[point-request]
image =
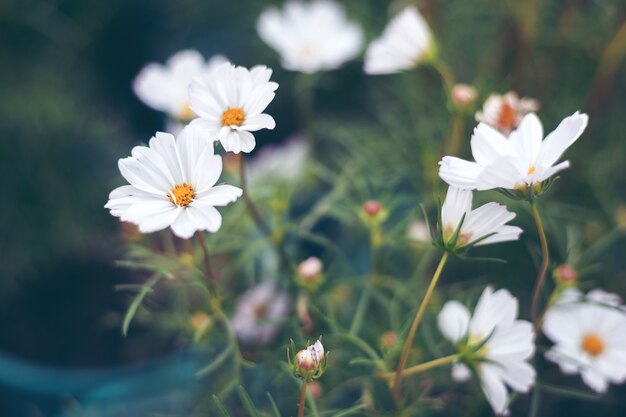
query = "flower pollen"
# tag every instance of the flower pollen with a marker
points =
(531, 170)
(186, 113)
(182, 195)
(592, 344)
(233, 116)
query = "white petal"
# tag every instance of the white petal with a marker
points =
(204, 216)
(258, 122)
(457, 203)
(527, 138)
(486, 219)
(151, 215)
(207, 171)
(184, 226)
(493, 387)
(561, 138)
(493, 309)
(504, 172)
(165, 145)
(460, 372)
(459, 173)
(453, 321)
(488, 144)
(594, 380)
(220, 195)
(504, 233)
(191, 144)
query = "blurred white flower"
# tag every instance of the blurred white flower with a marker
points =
(310, 37)
(493, 342)
(279, 162)
(259, 314)
(505, 112)
(172, 184)
(571, 296)
(590, 339)
(489, 219)
(166, 87)
(405, 42)
(517, 163)
(229, 103)
(418, 231)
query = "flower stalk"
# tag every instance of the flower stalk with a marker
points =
(208, 271)
(416, 322)
(545, 255)
(302, 399)
(422, 367)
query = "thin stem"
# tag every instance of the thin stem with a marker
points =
(208, 271)
(359, 315)
(446, 75)
(302, 398)
(418, 318)
(258, 219)
(423, 367)
(534, 309)
(456, 132)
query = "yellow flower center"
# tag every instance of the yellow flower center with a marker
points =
(182, 194)
(186, 113)
(233, 116)
(531, 170)
(592, 344)
(462, 239)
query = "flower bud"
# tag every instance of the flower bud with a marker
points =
(463, 95)
(309, 273)
(388, 339)
(565, 274)
(308, 363)
(315, 389)
(372, 208)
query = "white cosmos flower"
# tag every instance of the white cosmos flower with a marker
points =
(283, 162)
(166, 87)
(590, 339)
(505, 112)
(260, 313)
(172, 184)
(493, 342)
(489, 219)
(405, 42)
(230, 102)
(310, 37)
(516, 163)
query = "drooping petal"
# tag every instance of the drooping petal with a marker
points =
(493, 387)
(453, 321)
(459, 173)
(566, 133)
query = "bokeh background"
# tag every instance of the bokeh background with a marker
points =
(67, 113)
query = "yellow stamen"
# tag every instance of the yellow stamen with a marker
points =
(531, 170)
(186, 113)
(233, 116)
(592, 344)
(182, 194)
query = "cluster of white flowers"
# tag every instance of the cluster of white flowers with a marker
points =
(172, 183)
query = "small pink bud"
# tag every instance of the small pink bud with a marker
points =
(315, 389)
(463, 95)
(566, 273)
(310, 269)
(388, 339)
(372, 208)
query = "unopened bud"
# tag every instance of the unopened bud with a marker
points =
(566, 274)
(388, 339)
(463, 95)
(315, 389)
(309, 273)
(308, 363)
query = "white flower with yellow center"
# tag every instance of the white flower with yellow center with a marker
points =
(505, 112)
(517, 163)
(259, 314)
(172, 184)
(405, 42)
(482, 226)
(166, 87)
(310, 37)
(230, 102)
(493, 343)
(589, 336)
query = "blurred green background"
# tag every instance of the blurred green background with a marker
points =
(67, 113)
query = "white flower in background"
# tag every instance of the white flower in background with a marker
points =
(418, 231)
(489, 219)
(284, 162)
(230, 102)
(505, 112)
(493, 342)
(166, 87)
(571, 296)
(405, 42)
(172, 184)
(310, 37)
(590, 339)
(517, 163)
(259, 314)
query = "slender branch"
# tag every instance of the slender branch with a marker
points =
(456, 132)
(418, 318)
(534, 309)
(258, 219)
(302, 398)
(422, 367)
(208, 271)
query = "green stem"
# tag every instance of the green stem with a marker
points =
(456, 133)
(208, 271)
(446, 75)
(418, 318)
(423, 367)
(544, 263)
(302, 398)
(359, 315)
